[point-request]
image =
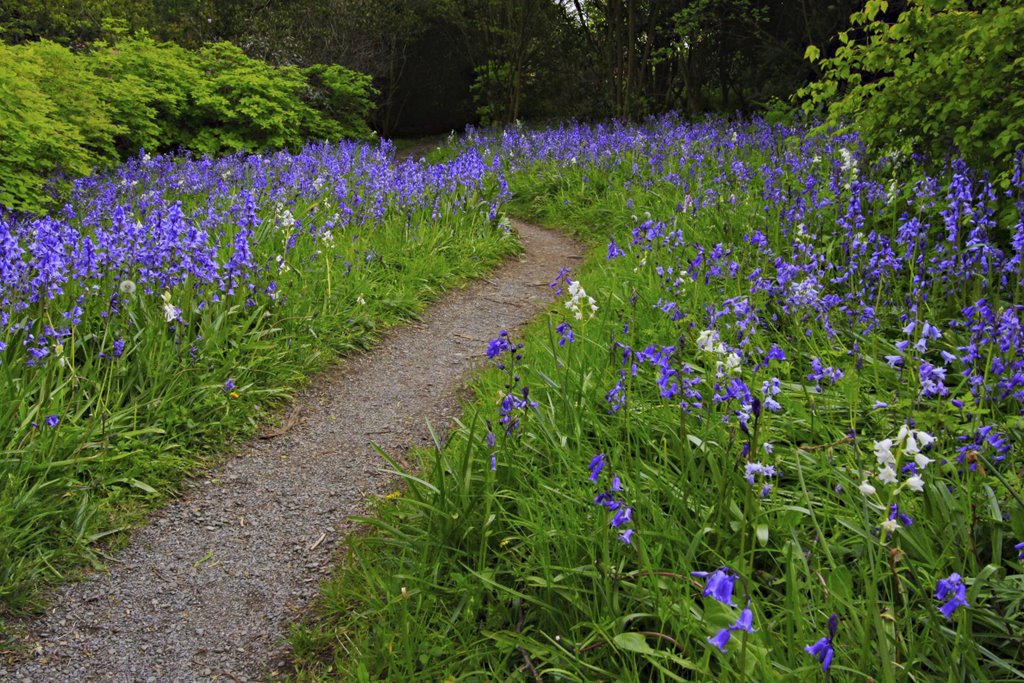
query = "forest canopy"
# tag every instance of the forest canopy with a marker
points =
(439, 64)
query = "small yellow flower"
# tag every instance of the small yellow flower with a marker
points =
(233, 394)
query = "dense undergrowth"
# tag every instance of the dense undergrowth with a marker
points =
(67, 112)
(170, 303)
(771, 431)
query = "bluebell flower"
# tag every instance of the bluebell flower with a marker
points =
(52, 421)
(895, 513)
(566, 334)
(951, 587)
(775, 353)
(498, 345)
(744, 622)
(719, 585)
(560, 280)
(819, 373)
(755, 468)
(823, 650)
(614, 251)
(616, 396)
(720, 639)
(1020, 547)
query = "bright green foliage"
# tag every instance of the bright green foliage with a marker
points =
(244, 103)
(63, 113)
(342, 95)
(78, 95)
(148, 85)
(50, 120)
(256, 104)
(944, 75)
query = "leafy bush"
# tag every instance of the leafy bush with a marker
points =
(148, 85)
(64, 112)
(39, 135)
(245, 103)
(946, 74)
(343, 95)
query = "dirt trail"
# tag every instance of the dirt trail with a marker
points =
(207, 589)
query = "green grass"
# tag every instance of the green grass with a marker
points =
(513, 573)
(131, 427)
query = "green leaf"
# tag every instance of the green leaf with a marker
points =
(131, 481)
(633, 642)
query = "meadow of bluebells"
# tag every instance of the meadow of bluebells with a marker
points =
(780, 363)
(168, 301)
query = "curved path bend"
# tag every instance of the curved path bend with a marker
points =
(205, 591)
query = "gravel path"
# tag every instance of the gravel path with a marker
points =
(206, 590)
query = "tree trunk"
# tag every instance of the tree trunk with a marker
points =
(630, 94)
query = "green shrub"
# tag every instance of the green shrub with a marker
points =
(64, 112)
(242, 103)
(148, 85)
(41, 131)
(343, 96)
(945, 75)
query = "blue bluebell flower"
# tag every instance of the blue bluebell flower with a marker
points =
(565, 334)
(622, 516)
(951, 587)
(823, 650)
(744, 622)
(720, 639)
(719, 585)
(498, 345)
(614, 251)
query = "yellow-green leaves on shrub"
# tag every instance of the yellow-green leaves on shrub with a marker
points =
(149, 85)
(64, 113)
(342, 94)
(38, 135)
(242, 103)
